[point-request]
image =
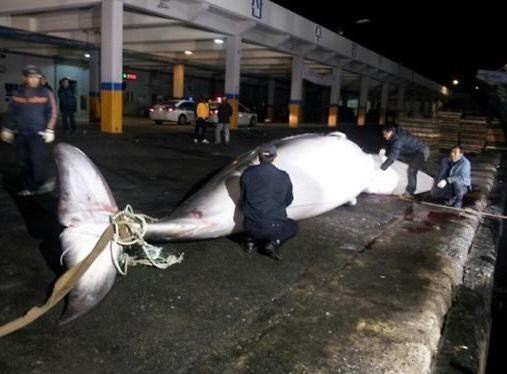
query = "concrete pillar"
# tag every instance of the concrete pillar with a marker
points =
(179, 81)
(296, 91)
(400, 102)
(384, 99)
(363, 101)
(233, 76)
(94, 84)
(333, 117)
(271, 99)
(111, 86)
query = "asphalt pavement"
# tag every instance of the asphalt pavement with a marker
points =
(361, 289)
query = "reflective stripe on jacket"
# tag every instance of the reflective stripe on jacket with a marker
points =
(32, 110)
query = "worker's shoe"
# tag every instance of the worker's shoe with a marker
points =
(46, 187)
(250, 246)
(25, 193)
(407, 196)
(272, 249)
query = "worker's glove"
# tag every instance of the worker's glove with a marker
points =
(7, 135)
(48, 135)
(382, 152)
(442, 183)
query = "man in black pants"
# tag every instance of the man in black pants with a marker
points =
(414, 150)
(266, 192)
(68, 105)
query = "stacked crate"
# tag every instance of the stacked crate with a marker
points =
(473, 134)
(424, 128)
(496, 136)
(449, 125)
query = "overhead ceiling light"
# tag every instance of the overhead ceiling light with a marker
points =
(87, 55)
(187, 52)
(218, 41)
(455, 82)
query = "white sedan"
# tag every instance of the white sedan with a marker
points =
(246, 116)
(180, 111)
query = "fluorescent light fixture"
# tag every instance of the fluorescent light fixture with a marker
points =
(87, 55)
(455, 82)
(187, 52)
(218, 41)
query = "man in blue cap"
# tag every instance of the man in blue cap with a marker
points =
(266, 192)
(31, 122)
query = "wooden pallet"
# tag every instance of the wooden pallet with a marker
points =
(473, 134)
(449, 127)
(424, 128)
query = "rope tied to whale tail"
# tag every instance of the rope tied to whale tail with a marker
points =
(126, 229)
(62, 286)
(129, 230)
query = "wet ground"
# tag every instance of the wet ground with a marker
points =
(360, 289)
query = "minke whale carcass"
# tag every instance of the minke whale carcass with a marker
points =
(327, 170)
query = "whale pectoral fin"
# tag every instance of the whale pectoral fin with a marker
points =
(85, 207)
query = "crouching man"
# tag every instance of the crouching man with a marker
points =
(453, 180)
(266, 192)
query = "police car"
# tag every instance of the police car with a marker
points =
(181, 112)
(246, 116)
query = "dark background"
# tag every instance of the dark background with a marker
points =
(439, 41)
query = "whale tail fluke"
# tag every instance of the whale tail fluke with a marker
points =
(85, 207)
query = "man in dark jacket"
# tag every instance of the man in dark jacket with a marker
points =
(32, 116)
(44, 83)
(266, 192)
(68, 105)
(402, 143)
(224, 114)
(453, 180)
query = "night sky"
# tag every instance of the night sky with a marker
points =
(439, 43)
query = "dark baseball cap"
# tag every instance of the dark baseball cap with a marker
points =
(31, 70)
(267, 150)
(388, 128)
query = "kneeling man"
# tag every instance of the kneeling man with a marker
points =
(266, 192)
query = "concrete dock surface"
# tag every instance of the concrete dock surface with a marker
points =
(386, 286)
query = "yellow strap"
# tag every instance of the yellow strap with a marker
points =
(62, 286)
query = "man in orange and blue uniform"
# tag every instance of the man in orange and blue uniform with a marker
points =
(31, 122)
